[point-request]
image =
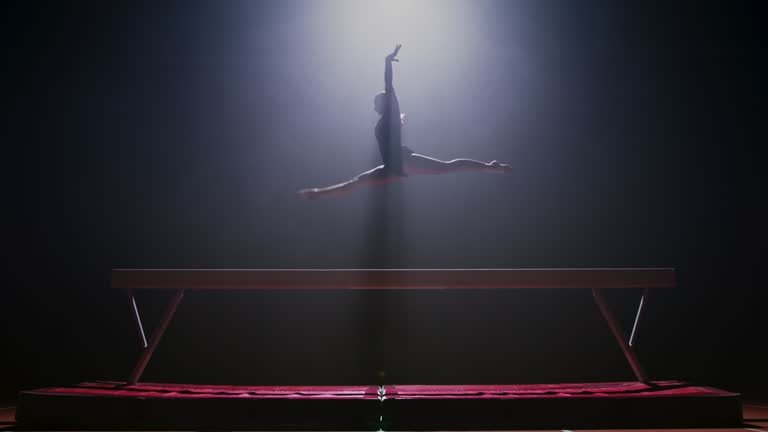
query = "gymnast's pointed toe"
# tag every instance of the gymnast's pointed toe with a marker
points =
(310, 193)
(497, 167)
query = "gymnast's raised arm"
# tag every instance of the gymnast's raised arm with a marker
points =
(389, 89)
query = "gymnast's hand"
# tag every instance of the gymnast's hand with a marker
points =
(391, 57)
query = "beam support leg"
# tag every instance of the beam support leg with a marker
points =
(615, 327)
(146, 354)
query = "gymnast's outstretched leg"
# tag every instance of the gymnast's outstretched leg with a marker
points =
(413, 164)
(416, 164)
(375, 176)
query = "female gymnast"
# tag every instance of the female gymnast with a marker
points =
(399, 160)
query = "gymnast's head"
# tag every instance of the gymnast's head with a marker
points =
(380, 102)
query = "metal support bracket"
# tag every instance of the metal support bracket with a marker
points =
(638, 316)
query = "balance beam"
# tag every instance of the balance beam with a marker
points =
(595, 279)
(397, 279)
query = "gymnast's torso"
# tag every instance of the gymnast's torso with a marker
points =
(388, 133)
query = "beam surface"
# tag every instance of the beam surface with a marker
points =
(397, 279)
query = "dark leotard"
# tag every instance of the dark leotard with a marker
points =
(388, 135)
(389, 127)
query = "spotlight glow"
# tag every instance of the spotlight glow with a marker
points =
(429, 25)
(357, 34)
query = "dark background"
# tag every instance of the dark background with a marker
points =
(173, 134)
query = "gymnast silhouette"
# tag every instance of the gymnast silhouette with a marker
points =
(398, 160)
